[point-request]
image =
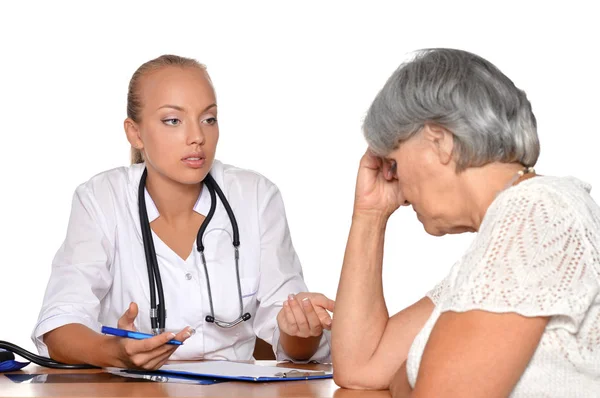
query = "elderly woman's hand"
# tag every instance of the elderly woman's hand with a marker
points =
(377, 189)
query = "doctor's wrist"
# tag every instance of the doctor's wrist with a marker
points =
(299, 348)
(107, 352)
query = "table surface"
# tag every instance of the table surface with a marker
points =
(96, 383)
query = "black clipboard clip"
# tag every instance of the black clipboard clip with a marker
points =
(296, 373)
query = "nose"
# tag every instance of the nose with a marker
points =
(196, 135)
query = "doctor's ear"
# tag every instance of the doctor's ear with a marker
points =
(133, 133)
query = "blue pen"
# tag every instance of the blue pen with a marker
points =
(133, 335)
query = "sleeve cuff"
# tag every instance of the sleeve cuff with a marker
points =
(322, 355)
(54, 321)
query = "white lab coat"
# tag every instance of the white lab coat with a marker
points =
(101, 268)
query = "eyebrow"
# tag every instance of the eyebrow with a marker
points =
(179, 108)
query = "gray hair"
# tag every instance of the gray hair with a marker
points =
(489, 117)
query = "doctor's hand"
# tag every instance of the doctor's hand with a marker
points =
(377, 188)
(305, 315)
(148, 354)
(126, 321)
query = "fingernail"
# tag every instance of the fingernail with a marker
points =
(172, 335)
(291, 297)
(306, 302)
(192, 331)
(286, 304)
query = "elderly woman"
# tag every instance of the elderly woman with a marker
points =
(519, 312)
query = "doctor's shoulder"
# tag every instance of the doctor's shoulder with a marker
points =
(245, 181)
(109, 192)
(116, 182)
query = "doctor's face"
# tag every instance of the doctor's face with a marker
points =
(178, 126)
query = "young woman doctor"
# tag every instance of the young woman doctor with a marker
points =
(100, 274)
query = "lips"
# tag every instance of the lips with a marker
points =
(194, 160)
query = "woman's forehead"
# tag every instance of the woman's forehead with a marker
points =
(176, 85)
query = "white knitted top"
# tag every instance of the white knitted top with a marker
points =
(537, 253)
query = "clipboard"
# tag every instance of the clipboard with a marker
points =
(218, 371)
(161, 377)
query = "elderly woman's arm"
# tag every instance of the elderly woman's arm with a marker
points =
(367, 345)
(477, 354)
(400, 387)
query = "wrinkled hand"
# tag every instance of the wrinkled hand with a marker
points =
(377, 188)
(148, 354)
(305, 315)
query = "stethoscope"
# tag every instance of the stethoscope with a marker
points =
(158, 312)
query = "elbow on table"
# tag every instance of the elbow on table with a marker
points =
(56, 355)
(358, 379)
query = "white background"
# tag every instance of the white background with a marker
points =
(293, 83)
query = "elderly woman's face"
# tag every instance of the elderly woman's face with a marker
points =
(428, 181)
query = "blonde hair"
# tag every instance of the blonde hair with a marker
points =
(134, 102)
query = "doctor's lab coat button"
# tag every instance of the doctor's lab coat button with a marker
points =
(188, 276)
